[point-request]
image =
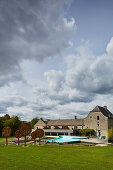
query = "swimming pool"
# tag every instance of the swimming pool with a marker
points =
(63, 139)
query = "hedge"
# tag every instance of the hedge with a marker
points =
(86, 132)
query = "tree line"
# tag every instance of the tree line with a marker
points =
(13, 122)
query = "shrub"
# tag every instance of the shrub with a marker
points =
(86, 132)
(110, 134)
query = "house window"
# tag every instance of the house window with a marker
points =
(90, 116)
(97, 123)
(97, 117)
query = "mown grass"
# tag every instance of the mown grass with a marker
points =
(54, 157)
(3, 138)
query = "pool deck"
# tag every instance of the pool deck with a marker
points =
(95, 141)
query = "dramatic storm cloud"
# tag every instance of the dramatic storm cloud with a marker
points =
(50, 65)
(31, 30)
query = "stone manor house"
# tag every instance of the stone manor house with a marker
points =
(100, 119)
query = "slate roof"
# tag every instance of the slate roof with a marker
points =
(66, 122)
(104, 111)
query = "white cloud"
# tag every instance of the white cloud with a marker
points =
(88, 73)
(109, 48)
(55, 79)
(69, 24)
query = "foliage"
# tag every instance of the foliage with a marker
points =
(6, 131)
(87, 132)
(34, 121)
(18, 134)
(1, 126)
(2, 121)
(39, 133)
(13, 122)
(110, 134)
(25, 128)
(6, 117)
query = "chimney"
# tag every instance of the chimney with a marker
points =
(75, 117)
(105, 107)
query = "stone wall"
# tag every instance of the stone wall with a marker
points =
(40, 124)
(92, 122)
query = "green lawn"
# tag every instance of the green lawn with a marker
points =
(3, 138)
(50, 157)
(10, 137)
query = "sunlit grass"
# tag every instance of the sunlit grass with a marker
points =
(3, 138)
(47, 157)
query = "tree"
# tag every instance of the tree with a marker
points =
(1, 125)
(6, 117)
(6, 131)
(110, 135)
(39, 134)
(13, 123)
(2, 120)
(33, 122)
(34, 136)
(25, 129)
(18, 135)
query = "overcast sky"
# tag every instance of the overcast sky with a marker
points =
(56, 57)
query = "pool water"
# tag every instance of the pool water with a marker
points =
(63, 139)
